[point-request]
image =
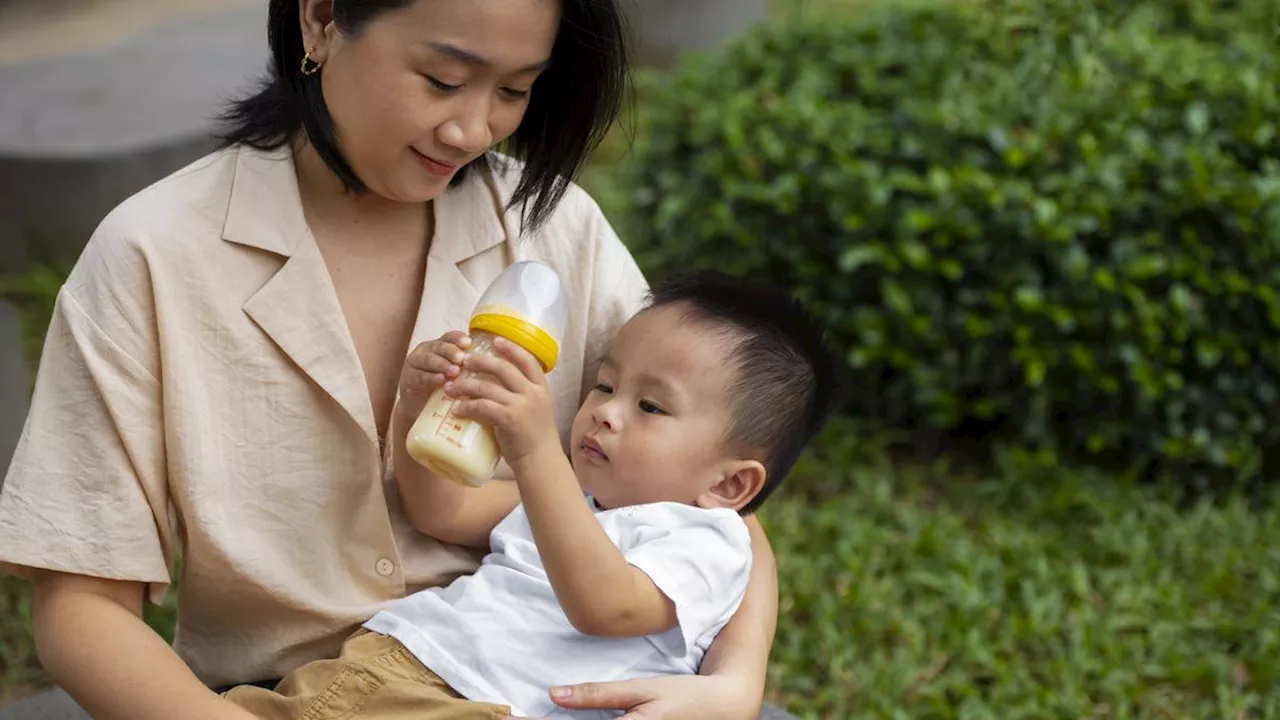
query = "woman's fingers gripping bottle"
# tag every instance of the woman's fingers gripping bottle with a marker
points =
(525, 305)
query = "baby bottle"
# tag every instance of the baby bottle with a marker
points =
(525, 305)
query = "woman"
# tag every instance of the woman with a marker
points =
(221, 371)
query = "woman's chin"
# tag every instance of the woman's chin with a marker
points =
(422, 189)
(409, 185)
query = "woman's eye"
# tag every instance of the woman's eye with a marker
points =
(604, 389)
(650, 408)
(441, 86)
(514, 94)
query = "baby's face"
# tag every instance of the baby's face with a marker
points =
(653, 428)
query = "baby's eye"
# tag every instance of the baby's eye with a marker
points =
(650, 408)
(604, 389)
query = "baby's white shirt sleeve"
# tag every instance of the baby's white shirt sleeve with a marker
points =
(700, 559)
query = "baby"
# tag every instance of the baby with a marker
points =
(621, 565)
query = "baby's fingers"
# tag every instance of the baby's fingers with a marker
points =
(437, 356)
(484, 410)
(456, 338)
(506, 374)
(478, 388)
(522, 360)
(430, 365)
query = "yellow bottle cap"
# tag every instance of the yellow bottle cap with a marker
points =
(537, 341)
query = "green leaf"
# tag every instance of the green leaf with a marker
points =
(1197, 118)
(896, 298)
(914, 253)
(859, 255)
(1147, 266)
(1028, 298)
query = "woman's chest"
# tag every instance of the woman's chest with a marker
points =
(380, 306)
(379, 292)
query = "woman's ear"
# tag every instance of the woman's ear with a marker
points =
(740, 482)
(316, 19)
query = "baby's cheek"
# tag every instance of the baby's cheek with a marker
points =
(659, 456)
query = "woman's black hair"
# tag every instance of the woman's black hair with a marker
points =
(572, 105)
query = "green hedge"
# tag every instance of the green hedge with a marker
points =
(1053, 226)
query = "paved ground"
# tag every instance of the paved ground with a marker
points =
(141, 83)
(38, 29)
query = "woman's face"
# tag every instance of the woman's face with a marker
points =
(422, 91)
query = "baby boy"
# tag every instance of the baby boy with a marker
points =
(622, 560)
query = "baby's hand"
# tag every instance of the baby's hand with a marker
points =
(427, 367)
(509, 393)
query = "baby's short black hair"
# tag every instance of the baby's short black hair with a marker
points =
(788, 379)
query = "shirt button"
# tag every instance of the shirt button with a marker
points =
(384, 567)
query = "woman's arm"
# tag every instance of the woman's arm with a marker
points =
(730, 684)
(436, 506)
(91, 638)
(442, 508)
(741, 650)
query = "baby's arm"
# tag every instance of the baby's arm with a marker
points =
(600, 592)
(438, 506)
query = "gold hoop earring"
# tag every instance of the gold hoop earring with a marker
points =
(309, 66)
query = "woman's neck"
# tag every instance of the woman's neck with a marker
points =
(326, 201)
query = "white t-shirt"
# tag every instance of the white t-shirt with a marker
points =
(500, 636)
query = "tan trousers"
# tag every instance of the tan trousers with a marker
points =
(373, 678)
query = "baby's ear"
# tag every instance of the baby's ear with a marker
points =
(740, 481)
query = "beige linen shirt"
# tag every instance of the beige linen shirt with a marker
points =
(199, 392)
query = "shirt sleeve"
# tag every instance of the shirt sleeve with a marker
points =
(700, 559)
(85, 492)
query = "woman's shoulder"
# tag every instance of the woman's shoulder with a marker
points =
(190, 200)
(176, 225)
(171, 228)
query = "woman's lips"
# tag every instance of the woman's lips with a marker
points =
(435, 167)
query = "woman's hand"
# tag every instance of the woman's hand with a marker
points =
(674, 697)
(430, 365)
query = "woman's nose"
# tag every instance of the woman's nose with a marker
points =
(468, 130)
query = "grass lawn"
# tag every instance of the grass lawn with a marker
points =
(925, 592)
